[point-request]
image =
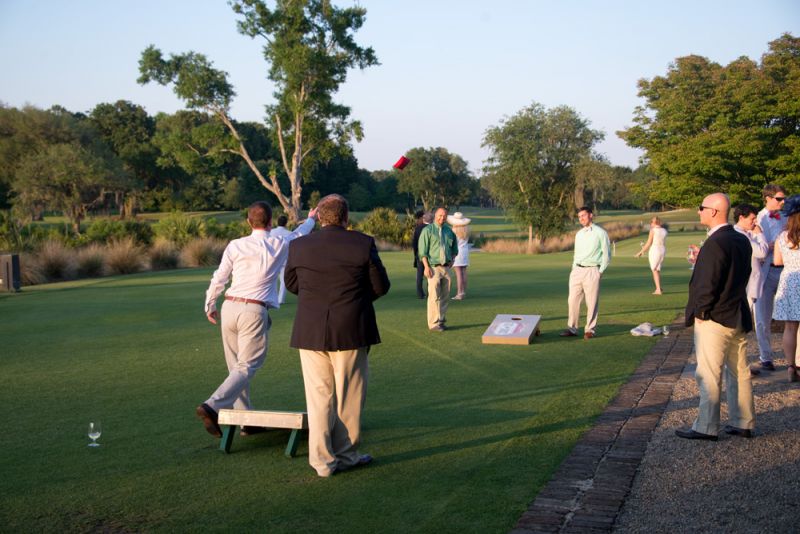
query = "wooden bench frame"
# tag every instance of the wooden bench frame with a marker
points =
(230, 419)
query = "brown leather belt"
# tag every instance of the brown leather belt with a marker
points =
(246, 301)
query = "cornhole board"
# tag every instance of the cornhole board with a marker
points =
(512, 329)
(230, 419)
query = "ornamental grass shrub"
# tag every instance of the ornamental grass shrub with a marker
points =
(125, 256)
(30, 273)
(203, 252)
(90, 261)
(55, 261)
(164, 255)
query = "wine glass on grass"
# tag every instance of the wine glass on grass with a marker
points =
(95, 430)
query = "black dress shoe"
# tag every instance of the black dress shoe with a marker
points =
(769, 366)
(568, 333)
(691, 434)
(741, 432)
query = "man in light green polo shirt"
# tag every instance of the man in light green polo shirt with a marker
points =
(437, 248)
(592, 256)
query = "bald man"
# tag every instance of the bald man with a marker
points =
(719, 311)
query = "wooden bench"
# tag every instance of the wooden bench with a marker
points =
(230, 419)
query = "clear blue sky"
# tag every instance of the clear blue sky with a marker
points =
(449, 68)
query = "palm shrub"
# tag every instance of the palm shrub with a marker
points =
(124, 256)
(227, 232)
(56, 261)
(386, 225)
(164, 254)
(104, 230)
(202, 252)
(179, 228)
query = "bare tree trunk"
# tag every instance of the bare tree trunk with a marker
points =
(530, 239)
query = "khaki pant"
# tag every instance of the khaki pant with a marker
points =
(584, 282)
(245, 337)
(438, 295)
(336, 388)
(717, 348)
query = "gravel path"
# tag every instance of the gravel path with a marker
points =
(732, 485)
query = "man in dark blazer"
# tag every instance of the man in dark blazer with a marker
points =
(719, 311)
(336, 274)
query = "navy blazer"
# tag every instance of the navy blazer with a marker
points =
(718, 288)
(336, 274)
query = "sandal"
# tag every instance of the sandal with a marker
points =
(793, 376)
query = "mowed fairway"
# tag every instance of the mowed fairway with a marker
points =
(464, 434)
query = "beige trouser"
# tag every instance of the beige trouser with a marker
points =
(438, 295)
(336, 388)
(245, 337)
(584, 282)
(719, 347)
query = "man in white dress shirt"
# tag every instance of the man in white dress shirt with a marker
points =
(281, 231)
(254, 262)
(772, 224)
(745, 217)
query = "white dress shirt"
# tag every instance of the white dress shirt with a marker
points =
(254, 262)
(760, 251)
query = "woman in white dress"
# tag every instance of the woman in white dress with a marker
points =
(460, 226)
(787, 297)
(657, 243)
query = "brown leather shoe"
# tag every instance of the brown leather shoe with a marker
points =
(568, 333)
(588, 335)
(209, 418)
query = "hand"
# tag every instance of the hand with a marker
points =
(313, 213)
(428, 272)
(757, 230)
(638, 254)
(212, 317)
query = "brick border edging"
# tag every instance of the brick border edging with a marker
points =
(587, 491)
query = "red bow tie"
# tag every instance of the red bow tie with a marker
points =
(775, 215)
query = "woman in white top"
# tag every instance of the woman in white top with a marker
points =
(656, 242)
(460, 226)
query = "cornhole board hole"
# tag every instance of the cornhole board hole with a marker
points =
(512, 329)
(230, 419)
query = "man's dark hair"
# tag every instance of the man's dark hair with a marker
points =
(259, 214)
(744, 210)
(282, 220)
(418, 214)
(771, 189)
(587, 209)
(333, 210)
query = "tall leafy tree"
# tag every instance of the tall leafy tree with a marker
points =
(128, 130)
(309, 46)
(531, 168)
(734, 128)
(66, 177)
(436, 176)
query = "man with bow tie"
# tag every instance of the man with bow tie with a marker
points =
(772, 224)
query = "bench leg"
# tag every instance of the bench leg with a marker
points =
(225, 442)
(294, 439)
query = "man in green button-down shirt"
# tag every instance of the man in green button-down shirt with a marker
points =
(592, 256)
(437, 248)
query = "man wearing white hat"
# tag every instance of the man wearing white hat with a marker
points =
(437, 248)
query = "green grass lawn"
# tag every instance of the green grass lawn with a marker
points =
(464, 434)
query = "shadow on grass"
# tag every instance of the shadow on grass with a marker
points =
(482, 441)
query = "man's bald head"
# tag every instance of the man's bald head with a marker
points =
(714, 209)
